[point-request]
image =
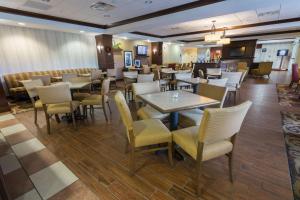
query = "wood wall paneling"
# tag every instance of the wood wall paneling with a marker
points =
(105, 55)
(157, 53)
(3, 101)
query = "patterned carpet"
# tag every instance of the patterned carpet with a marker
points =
(287, 97)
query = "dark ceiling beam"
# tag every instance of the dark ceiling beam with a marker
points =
(49, 17)
(248, 35)
(180, 8)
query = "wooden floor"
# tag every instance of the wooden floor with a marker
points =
(95, 153)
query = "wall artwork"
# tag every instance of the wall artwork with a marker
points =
(137, 63)
(128, 59)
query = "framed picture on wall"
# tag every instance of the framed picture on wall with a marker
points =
(137, 63)
(128, 62)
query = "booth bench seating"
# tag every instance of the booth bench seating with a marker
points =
(14, 86)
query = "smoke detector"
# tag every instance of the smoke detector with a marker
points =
(102, 6)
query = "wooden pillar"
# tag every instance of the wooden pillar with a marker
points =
(157, 53)
(105, 52)
(3, 101)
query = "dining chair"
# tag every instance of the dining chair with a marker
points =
(162, 82)
(147, 112)
(85, 92)
(180, 84)
(67, 77)
(30, 87)
(213, 72)
(57, 99)
(98, 100)
(111, 74)
(96, 76)
(193, 117)
(214, 137)
(201, 73)
(146, 69)
(46, 79)
(233, 83)
(218, 82)
(151, 134)
(143, 78)
(129, 78)
(295, 76)
(264, 68)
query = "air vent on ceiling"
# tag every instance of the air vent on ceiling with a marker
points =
(101, 6)
(268, 13)
(38, 4)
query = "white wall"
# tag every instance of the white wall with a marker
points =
(171, 53)
(271, 54)
(25, 49)
(203, 54)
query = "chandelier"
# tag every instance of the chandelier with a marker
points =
(223, 39)
(213, 36)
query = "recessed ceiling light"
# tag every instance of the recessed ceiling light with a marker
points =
(21, 24)
(82, 31)
(125, 38)
(148, 40)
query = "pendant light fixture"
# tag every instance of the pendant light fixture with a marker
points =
(223, 39)
(213, 36)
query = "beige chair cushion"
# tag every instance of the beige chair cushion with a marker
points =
(38, 104)
(17, 89)
(94, 100)
(148, 112)
(190, 117)
(149, 132)
(79, 96)
(187, 139)
(62, 108)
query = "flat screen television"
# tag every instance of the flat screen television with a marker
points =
(282, 52)
(141, 50)
(237, 51)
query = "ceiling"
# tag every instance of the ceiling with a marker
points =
(138, 19)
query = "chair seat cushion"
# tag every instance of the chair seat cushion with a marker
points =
(94, 100)
(148, 112)
(79, 96)
(61, 108)
(149, 132)
(17, 89)
(189, 118)
(38, 104)
(187, 139)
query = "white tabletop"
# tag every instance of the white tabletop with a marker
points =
(74, 86)
(131, 76)
(173, 101)
(193, 81)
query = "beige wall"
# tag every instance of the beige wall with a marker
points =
(171, 53)
(128, 45)
(189, 54)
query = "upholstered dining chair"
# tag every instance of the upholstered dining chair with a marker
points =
(213, 72)
(234, 82)
(264, 68)
(193, 117)
(214, 137)
(180, 84)
(147, 112)
(164, 83)
(96, 76)
(98, 100)
(67, 77)
(146, 69)
(151, 133)
(218, 82)
(129, 78)
(112, 75)
(30, 87)
(143, 78)
(57, 99)
(85, 92)
(295, 76)
(46, 79)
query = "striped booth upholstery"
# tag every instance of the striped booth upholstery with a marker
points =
(14, 86)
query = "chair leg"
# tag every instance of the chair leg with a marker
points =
(234, 96)
(57, 118)
(35, 115)
(198, 176)
(73, 120)
(109, 107)
(126, 146)
(104, 111)
(132, 161)
(230, 166)
(170, 153)
(48, 123)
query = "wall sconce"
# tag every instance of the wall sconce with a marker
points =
(154, 51)
(100, 48)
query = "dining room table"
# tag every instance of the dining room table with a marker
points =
(193, 81)
(174, 101)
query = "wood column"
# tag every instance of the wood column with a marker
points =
(105, 51)
(157, 53)
(3, 101)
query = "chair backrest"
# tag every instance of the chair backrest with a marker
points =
(183, 75)
(31, 86)
(201, 73)
(245, 72)
(96, 74)
(58, 93)
(295, 73)
(80, 80)
(156, 73)
(130, 74)
(46, 79)
(143, 78)
(234, 78)
(145, 88)
(105, 87)
(146, 69)
(67, 77)
(124, 112)
(111, 72)
(214, 92)
(218, 82)
(242, 65)
(265, 67)
(213, 71)
(220, 124)
(166, 69)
